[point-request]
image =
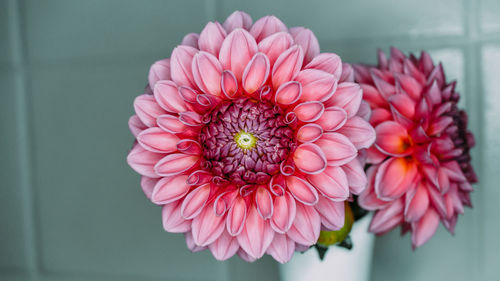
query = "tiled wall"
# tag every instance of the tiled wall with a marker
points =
(71, 209)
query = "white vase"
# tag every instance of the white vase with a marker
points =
(338, 264)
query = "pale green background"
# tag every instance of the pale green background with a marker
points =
(70, 207)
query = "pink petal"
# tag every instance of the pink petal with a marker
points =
(332, 213)
(160, 70)
(256, 73)
(287, 66)
(416, 204)
(170, 189)
(347, 96)
(147, 185)
(309, 111)
(207, 227)
(211, 38)
(306, 39)
(410, 85)
(156, 140)
(238, 19)
(283, 213)
(190, 243)
(236, 217)
(245, 256)
(372, 96)
(380, 115)
(224, 247)
(393, 139)
(355, 176)
(306, 226)
(327, 62)
(229, 84)
(394, 177)
(191, 40)
(171, 124)
(425, 228)
(190, 118)
(387, 218)
(256, 235)
(309, 133)
(207, 72)
(189, 146)
(172, 220)
(337, 148)
(317, 85)
(266, 26)
(175, 163)
(332, 119)
(274, 45)
(236, 51)
(347, 73)
(180, 65)
(147, 109)
(359, 132)
(385, 88)
(282, 248)
(135, 125)
(264, 202)
(288, 93)
(403, 104)
(167, 95)
(368, 199)
(143, 161)
(332, 183)
(364, 111)
(193, 203)
(309, 158)
(303, 191)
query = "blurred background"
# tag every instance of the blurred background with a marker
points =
(71, 208)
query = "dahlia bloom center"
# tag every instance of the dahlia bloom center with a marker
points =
(244, 141)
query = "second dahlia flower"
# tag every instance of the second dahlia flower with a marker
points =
(248, 137)
(421, 172)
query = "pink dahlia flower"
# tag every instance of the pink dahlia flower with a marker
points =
(421, 172)
(248, 137)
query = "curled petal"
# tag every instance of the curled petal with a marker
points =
(175, 163)
(274, 45)
(282, 248)
(191, 39)
(425, 228)
(257, 234)
(266, 26)
(156, 140)
(283, 213)
(190, 118)
(238, 19)
(355, 176)
(306, 39)
(309, 111)
(229, 84)
(224, 247)
(288, 93)
(180, 65)
(143, 161)
(236, 51)
(332, 183)
(303, 191)
(394, 177)
(189, 146)
(309, 158)
(317, 85)
(135, 125)
(393, 139)
(287, 66)
(147, 185)
(359, 132)
(167, 95)
(211, 38)
(327, 62)
(309, 133)
(207, 72)
(193, 203)
(256, 73)
(306, 226)
(347, 96)
(147, 109)
(387, 218)
(236, 217)
(332, 119)
(207, 227)
(332, 213)
(172, 219)
(170, 189)
(171, 124)
(416, 203)
(160, 70)
(264, 202)
(337, 148)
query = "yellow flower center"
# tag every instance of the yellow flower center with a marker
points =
(245, 140)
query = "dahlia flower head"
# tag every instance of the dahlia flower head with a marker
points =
(421, 172)
(248, 137)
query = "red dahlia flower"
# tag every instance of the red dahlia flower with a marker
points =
(421, 172)
(248, 138)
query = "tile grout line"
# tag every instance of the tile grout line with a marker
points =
(24, 134)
